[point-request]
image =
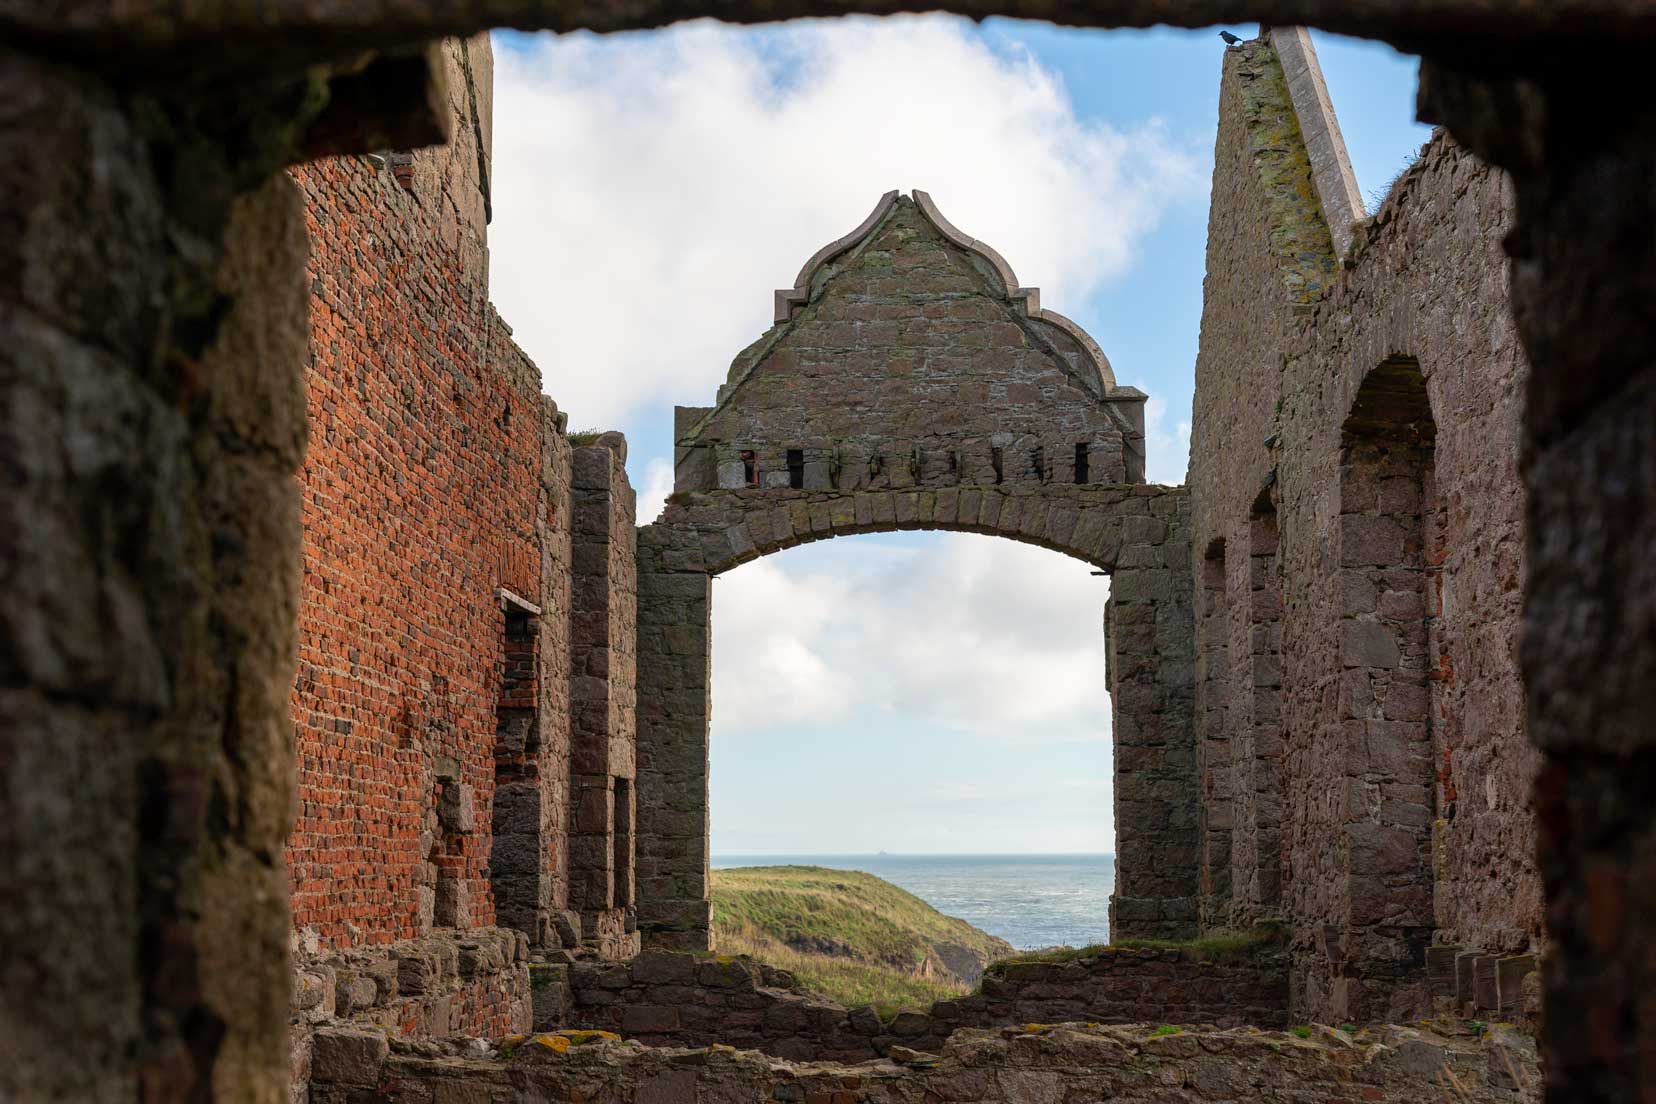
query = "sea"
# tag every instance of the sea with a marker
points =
(1031, 901)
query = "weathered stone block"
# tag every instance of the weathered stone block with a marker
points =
(348, 1056)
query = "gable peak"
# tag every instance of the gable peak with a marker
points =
(1025, 300)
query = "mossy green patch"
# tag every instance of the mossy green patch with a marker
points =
(1217, 946)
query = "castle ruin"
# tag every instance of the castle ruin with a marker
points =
(1312, 646)
(415, 743)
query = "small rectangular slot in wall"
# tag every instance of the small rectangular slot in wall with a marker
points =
(750, 468)
(996, 460)
(796, 468)
(621, 834)
(1037, 458)
(1081, 462)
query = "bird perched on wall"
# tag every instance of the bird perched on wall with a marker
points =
(1230, 39)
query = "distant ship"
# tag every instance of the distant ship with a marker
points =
(882, 853)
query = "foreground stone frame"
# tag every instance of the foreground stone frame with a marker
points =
(1139, 534)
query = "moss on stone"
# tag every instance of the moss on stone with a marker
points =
(1217, 946)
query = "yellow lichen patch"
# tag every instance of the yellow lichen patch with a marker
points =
(557, 1044)
(580, 1037)
(1036, 1028)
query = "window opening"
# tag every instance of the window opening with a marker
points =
(621, 833)
(796, 468)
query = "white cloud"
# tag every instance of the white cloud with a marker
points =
(658, 484)
(650, 190)
(773, 664)
(1167, 451)
(970, 633)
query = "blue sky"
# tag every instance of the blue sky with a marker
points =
(907, 692)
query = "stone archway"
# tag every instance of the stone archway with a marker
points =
(910, 383)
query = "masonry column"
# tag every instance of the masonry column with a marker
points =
(531, 803)
(1582, 281)
(602, 698)
(149, 574)
(674, 663)
(1150, 629)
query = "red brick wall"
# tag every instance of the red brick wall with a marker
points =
(420, 496)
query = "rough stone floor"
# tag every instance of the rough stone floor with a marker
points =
(1029, 1064)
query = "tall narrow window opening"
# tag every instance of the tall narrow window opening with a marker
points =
(621, 831)
(796, 468)
(518, 858)
(996, 461)
(1081, 462)
(1213, 744)
(750, 468)
(1256, 844)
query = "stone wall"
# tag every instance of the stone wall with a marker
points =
(1034, 1062)
(472, 982)
(1363, 548)
(1139, 533)
(910, 382)
(603, 666)
(668, 999)
(151, 417)
(909, 356)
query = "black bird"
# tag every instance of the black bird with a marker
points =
(1230, 39)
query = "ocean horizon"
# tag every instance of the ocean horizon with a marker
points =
(1030, 900)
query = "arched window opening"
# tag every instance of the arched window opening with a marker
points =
(1383, 751)
(931, 709)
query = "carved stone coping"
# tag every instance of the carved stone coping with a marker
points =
(1336, 184)
(1027, 299)
(789, 298)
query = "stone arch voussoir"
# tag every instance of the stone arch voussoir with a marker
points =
(1139, 534)
(714, 531)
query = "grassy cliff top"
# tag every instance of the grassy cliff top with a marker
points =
(843, 912)
(852, 936)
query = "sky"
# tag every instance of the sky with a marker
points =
(914, 693)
